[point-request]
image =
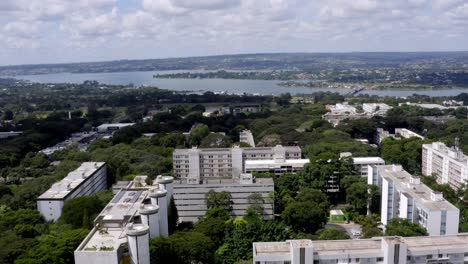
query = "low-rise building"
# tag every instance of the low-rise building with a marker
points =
(226, 162)
(275, 166)
(379, 109)
(137, 213)
(388, 250)
(10, 134)
(110, 128)
(189, 195)
(404, 196)
(450, 165)
(89, 178)
(400, 133)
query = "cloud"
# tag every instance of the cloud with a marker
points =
(201, 27)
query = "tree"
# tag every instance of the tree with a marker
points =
(256, 202)
(405, 228)
(213, 225)
(81, 212)
(182, 248)
(219, 200)
(55, 248)
(172, 216)
(238, 243)
(8, 115)
(198, 133)
(126, 135)
(333, 233)
(305, 216)
(215, 140)
(361, 195)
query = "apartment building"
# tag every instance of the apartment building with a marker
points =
(361, 164)
(450, 165)
(89, 178)
(226, 162)
(404, 196)
(385, 250)
(189, 196)
(137, 213)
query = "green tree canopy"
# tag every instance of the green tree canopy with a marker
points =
(403, 227)
(182, 248)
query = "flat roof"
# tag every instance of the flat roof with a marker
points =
(273, 162)
(107, 239)
(104, 126)
(61, 189)
(372, 246)
(287, 148)
(419, 192)
(364, 160)
(451, 153)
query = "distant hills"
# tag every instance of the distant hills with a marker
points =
(267, 61)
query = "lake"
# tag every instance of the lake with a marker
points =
(214, 85)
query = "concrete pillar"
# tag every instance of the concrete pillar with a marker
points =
(166, 183)
(159, 198)
(138, 243)
(150, 217)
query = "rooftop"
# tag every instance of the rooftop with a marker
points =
(418, 191)
(364, 160)
(61, 189)
(371, 246)
(451, 152)
(274, 162)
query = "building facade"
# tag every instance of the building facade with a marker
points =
(385, 250)
(137, 213)
(404, 196)
(189, 197)
(361, 164)
(225, 162)
(246, 136)
(89, 178)
(450, 165)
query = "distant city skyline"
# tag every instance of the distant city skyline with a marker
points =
(60, 31)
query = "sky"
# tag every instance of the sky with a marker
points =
(58, 31)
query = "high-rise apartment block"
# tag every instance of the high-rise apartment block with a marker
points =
(137, 213)
(385, 250)
(404, 196)
(89, 178)
(450, 165)
(199, 163)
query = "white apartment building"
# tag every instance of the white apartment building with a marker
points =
(385, 250)
(247, 137)
(404, 196)
(275, 166)
(189, 196)
(450, 165)
(122, 231)
(361, 164)
(225, 162)
(89, 178)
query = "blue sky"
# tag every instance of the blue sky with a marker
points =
(52, 31)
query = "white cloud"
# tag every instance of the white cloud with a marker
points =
(197, 27)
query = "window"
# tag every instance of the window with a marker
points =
(379, 259)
